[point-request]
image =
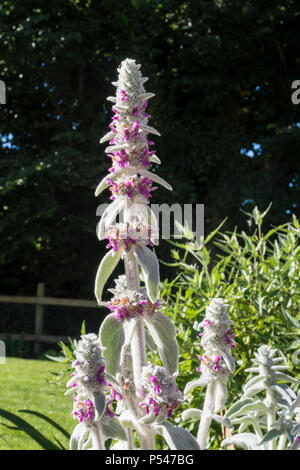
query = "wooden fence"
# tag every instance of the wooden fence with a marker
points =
(40, 301)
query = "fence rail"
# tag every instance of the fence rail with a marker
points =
(40, 301)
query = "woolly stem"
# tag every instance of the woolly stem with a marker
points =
(138, 341)
(282, 442)
(147, 437)
(206, 419)
(271, 414)
(129, 436)
(97, 439)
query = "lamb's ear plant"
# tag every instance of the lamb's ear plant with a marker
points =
(216, 366)
(146, 393)
(268, 413)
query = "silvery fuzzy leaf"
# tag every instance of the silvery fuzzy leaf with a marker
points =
(253, 369)
(191, 413)
(295, 404)
(285, 392)
(112, 338)
(234, 409)
(245, 421)
(295, 430)
(104, 183)
(78, 436)
(106, 137)
(254, 405)
(121, 107)
(146, 96)
(148, 419)
(152, 221)
(254, 390)
(149, 264)
(155, 159)
(221, 394)
(114, 382)
(270, 435)
(113, 429)
(127, 420)
(201, 382)
(155, 178)
(286, 378)
(246, 440)
(228, 359)
(222, 420)
(163, 332)
(116, 148)
(149, 129)
(253, 381)
(109, 216)
(106, 267)
(149, 341)
(99, 400)
(177, 438)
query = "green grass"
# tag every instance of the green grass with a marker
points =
(34, 413)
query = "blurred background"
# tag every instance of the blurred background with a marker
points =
(222, 72)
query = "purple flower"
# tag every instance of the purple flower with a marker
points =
(84, 410)
(229, 338)
(135, 129)
(124, 96)
(217, 366)
(100, 377)
(126, 134)
(155, 407)
(154, 381)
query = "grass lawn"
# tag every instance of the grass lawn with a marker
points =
(34, 413)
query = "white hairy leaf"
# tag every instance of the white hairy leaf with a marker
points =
(177, 438)
(106, 267)
(112, 339)
(163, 332)
(149, 264)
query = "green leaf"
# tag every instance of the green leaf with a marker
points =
(163, 332)
(112, 339)
(106, 267)
(290, 319)
(149, 264)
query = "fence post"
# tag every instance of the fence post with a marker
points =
(39, 317)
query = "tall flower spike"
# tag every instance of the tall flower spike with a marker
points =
(122, 332)
(216, 366)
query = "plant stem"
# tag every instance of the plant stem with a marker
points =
(97, 438)
(147, 437)
(138, 342)
(129, 439)
(205, 422)
(271, 414)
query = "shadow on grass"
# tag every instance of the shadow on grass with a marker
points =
(22, 425)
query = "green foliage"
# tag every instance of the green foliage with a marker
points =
(258, 273)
